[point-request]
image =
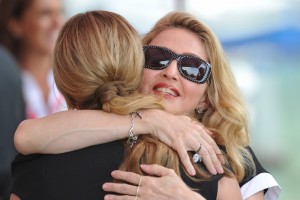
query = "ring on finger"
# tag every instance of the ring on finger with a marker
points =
(138, 187)
(198, 151)
(197, 156)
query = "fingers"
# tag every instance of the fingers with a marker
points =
(129, 177)
(157, 170)
(207, 158)
(185, 159)
(194, 135)
(209, 151)
(128, 191)
(184, 134)
(120, 188)
(197, 134)
(116, 197)
(212, 150)
(210, 158)
(213, 144)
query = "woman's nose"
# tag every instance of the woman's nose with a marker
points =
(171, 71)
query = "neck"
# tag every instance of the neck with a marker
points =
(38, 65)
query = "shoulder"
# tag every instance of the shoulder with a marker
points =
(23, 160)
(81, 170)
(262, 181)
(28, 175)
(258, 167)
(207, 188)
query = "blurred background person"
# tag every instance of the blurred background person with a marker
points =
(12, 107)
(28, 30)
(12, 112)
(32, 29)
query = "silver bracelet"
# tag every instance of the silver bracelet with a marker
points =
(132, 138)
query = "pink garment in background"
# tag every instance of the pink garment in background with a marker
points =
(36, 107)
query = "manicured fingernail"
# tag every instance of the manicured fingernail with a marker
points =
(214, 172)
(192, 171)
(221, 171)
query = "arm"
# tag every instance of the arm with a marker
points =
(76, 129)
(228, 188)
(69, 130)
(163, 183)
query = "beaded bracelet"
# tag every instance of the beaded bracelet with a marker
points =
(132, 138)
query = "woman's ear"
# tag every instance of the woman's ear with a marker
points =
(15, 28)
(200, 109)
(203, 104)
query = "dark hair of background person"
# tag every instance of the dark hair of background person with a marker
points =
(11, 9)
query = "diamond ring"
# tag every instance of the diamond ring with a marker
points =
(197, 156)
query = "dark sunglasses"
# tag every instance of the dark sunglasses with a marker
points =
(190, 67)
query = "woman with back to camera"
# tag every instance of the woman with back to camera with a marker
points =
(225, 114)
(32, 28)
(93, 72)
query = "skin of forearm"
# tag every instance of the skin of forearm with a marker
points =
(196, 196)
(228, 188)
(187, 195)
(70, 130)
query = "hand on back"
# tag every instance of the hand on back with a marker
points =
(184, 134)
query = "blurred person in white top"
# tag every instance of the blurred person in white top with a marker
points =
(33, 26)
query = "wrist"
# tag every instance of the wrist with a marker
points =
(145, 125)
(132, 137)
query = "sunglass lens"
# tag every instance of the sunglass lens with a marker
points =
(193, 69)
(156, 58)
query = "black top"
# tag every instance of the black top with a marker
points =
(258, 166)
(78, 175)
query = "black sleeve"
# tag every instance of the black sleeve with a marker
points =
(28, 173)
(259, 168)
(207, 188)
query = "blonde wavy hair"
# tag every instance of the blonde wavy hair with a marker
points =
(226, 115)
(98, 64)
